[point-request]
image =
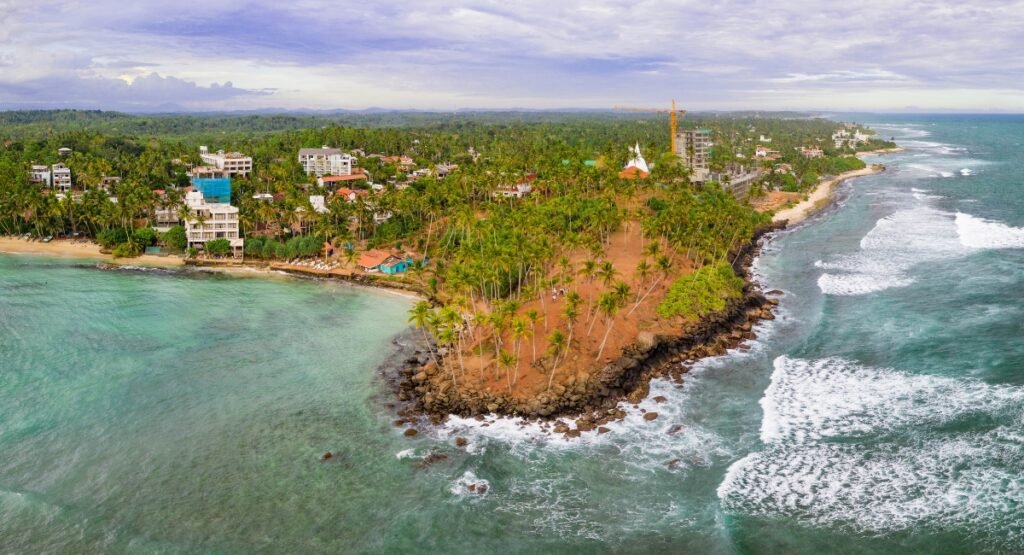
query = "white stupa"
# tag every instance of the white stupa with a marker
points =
(637, 161)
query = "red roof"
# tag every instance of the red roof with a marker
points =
(338, 178)
(373, 258)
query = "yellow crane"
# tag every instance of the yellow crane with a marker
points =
(673, 121)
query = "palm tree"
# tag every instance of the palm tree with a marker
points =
(519, 331)
(533, 316)
(608, 304)
(419, 317)
(556, 345)
(506, 360)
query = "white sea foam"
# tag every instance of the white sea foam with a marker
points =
(966, 172)
(812, 400)
(980, 233)
(887, 252)
(864, 448)
(470, 485)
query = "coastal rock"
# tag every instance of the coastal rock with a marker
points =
(327, 456)
(675, 429)
(431, 458)
(461, 441)
(602, 430)
(775, 292)
(660, 399)
(411, 432)
(650, 416)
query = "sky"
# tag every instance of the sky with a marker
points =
(188, 55)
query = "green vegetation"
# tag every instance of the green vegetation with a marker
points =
(707, 290)
(493, 260)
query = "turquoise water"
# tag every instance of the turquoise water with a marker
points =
(883, 411)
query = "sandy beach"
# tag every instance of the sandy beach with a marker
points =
(820, 196)
(79, 249)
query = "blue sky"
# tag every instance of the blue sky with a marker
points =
(431, 54)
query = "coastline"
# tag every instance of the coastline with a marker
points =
(821, 196)
(87, 250)
(593, 402)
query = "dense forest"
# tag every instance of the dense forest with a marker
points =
(585, 253)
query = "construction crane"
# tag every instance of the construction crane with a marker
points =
(673, 121)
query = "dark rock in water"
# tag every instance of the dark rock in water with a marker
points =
(399, 422)
(775, 292)
(675, 429)
(411, 432)
(602, 430)
(573, 433)
(327, 456)
(651, 416)
(431, 458)
(673, 464)
(461, 442)
(561, 427)
(660, 399)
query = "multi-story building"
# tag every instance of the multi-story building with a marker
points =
(213, 183)
(694, 148)
(209, 221)
(325, 161)
(40, 174)
(231, 163)
(61, 175)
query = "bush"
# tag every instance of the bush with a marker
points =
(175, 238)
(705, 291)
(145, 236)
(218, 247)
(109, 238)
(127, 250)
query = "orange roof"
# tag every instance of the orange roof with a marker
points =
(633, 172)
(337, 178)
(373, 258)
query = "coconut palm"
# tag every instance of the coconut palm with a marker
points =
(556, 346)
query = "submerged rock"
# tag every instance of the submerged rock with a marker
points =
(411, 432)
(651, 416)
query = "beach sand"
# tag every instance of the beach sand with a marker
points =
(820, 197)
(78, 249)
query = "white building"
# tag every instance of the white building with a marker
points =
(61, 178)
(231, 163)
(165, 218)
(207, 222)
(40, 174)
(637, 161)
(325, 161)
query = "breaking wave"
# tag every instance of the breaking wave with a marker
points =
(980, 233)
(831, 457)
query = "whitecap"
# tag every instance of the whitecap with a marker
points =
(980, 233)
(470, 485)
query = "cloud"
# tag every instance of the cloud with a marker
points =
(144, 93)
(597, 53)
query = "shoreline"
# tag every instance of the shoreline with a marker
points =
(822, 196)
(87, 250)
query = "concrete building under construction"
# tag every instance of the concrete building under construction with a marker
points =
(693, 147)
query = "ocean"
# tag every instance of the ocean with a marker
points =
(882, 411)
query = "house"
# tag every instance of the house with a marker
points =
(811, 152)
(636, 167)
(764, 139)
(165, 218)
(63, 151)
(61, 176)
(404, 162)
(374, 261)
(350, 195)
(40, 174)
(209, 221)
(334, 180)
(108, 182)
(442, 170)
(231, 163)
(765, 153)
(782, 168)
(318, 203)
(325, 161)
(518, 190)
(371, 260)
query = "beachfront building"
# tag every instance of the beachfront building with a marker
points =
(214, 183)
(231, 163)
(208, 221)
(378, 261)
(61, 176)
(165, 218)
(636, 167)
(693, 147)
(40, 174)
(325, 161)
